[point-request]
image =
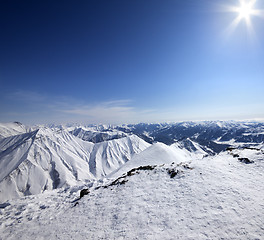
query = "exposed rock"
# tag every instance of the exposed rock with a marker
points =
(83, 192)
(173, 172)
(245, 160)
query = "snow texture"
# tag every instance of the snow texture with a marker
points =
(216, 197)
(208, 184)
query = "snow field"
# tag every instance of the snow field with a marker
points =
(214, 198)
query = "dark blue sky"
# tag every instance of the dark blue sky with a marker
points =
(129, 61)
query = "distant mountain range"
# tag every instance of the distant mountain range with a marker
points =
(38, 158)
(213, 136)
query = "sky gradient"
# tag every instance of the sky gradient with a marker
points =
(95, 61)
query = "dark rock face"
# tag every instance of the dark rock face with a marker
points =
(173, 172)
(83, 192)
(18, 123)
(3, 205)
(245, 160)
(123, 179)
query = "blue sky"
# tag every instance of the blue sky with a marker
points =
(119, 61)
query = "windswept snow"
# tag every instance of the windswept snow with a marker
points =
(208, 184)
(157, 154)
(211, 198)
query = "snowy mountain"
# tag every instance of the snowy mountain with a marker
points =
(212, 136)
(96, 136)
(110, 155)
(215, 135)
(10, 129)
(157, 154)
(45, 159)
(198, 180)
(217, 197)
(32, 161)
(194, 147)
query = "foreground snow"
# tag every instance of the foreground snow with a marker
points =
(212, 198)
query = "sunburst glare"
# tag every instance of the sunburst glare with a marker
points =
(245, 10)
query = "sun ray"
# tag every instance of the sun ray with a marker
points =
(233, 25)
(252, 34)
(245, 10)
(258, 12)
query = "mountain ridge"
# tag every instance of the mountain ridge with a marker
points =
(55, 158)
(47, 159)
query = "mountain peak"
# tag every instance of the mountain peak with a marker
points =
(50, 158)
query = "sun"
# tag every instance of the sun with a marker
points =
(245, 10)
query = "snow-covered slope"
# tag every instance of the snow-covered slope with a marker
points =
(46, 159)
(217, 197)
(157, 154)
(42, 160)
(10, 129)
(96, 136)
(110, 155)
(193, 147)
